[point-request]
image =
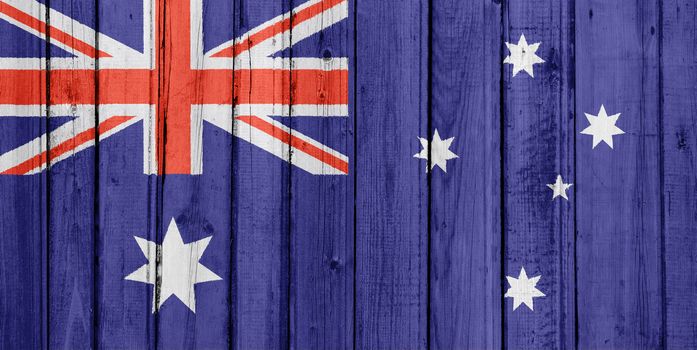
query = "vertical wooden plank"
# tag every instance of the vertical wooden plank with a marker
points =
(22, 198)
(465, 278)
(127, 210)
(201, 208)
(71, 183)
(321, 207)
(391, 193)
(127, 196)
(618, 189)
(261, 189)
(679, 125)
(196, 191)
(538, 146)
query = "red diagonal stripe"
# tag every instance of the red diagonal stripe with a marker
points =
(67, 146)
(277, 28)
(297, 143)
(54, 33)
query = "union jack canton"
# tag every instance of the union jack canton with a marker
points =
(240, 78)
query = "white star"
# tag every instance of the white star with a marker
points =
(179, 268)
(440, 152)
(523, 289)
(559, 188)
(523, 56)
(602, 127)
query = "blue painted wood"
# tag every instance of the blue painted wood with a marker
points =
(465, 278)
(71, 207)
(288, 278)
(23, 228)
(127, 208)
(321, 215)
(679, 198)
(391, 193)
(22, 307)
(618, 193)
(201, 207)
(261, 221)
(538, 145)
(124, 308)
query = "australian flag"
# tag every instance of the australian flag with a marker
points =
(348, 174)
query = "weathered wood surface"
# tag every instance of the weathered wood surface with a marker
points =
(201, 205)
(618, 193)
(679, 206)
(23, 207)
(391, 187)
(538, 145)
(465, 205)
(321, 209)
(124, 192)
(71, 193)
(389, 256)
(262, 215)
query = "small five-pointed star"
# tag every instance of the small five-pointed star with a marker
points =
(179, 269)
(523, 289)
(440, 151)
(559, 188)
(523, 56)
(602, 127)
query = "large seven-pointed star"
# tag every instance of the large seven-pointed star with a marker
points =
(523, 289)
(440, 151)
(523, 56)
(179, 269)
(602, 127)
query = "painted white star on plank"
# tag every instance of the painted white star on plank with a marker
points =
(559, 188)
(523, 56)
(440, 151)
(523, 289)
(602, 127)
(179, 269)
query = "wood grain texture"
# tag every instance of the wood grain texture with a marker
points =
(538, 145)
(71, 201)
(390, 256)
(262, 213)
(465, 280)
(321, 213)
(23, 214)
(128, 203)
(124, 311)
(679, 122)
(391, 193)
(618, 190)
(200, 205)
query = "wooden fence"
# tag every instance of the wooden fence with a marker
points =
(388, 256)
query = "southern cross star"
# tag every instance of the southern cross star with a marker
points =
(178, 271)
(523, 289)
(602, 127)
(440, 151)
(523, 56)
(559, 188)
